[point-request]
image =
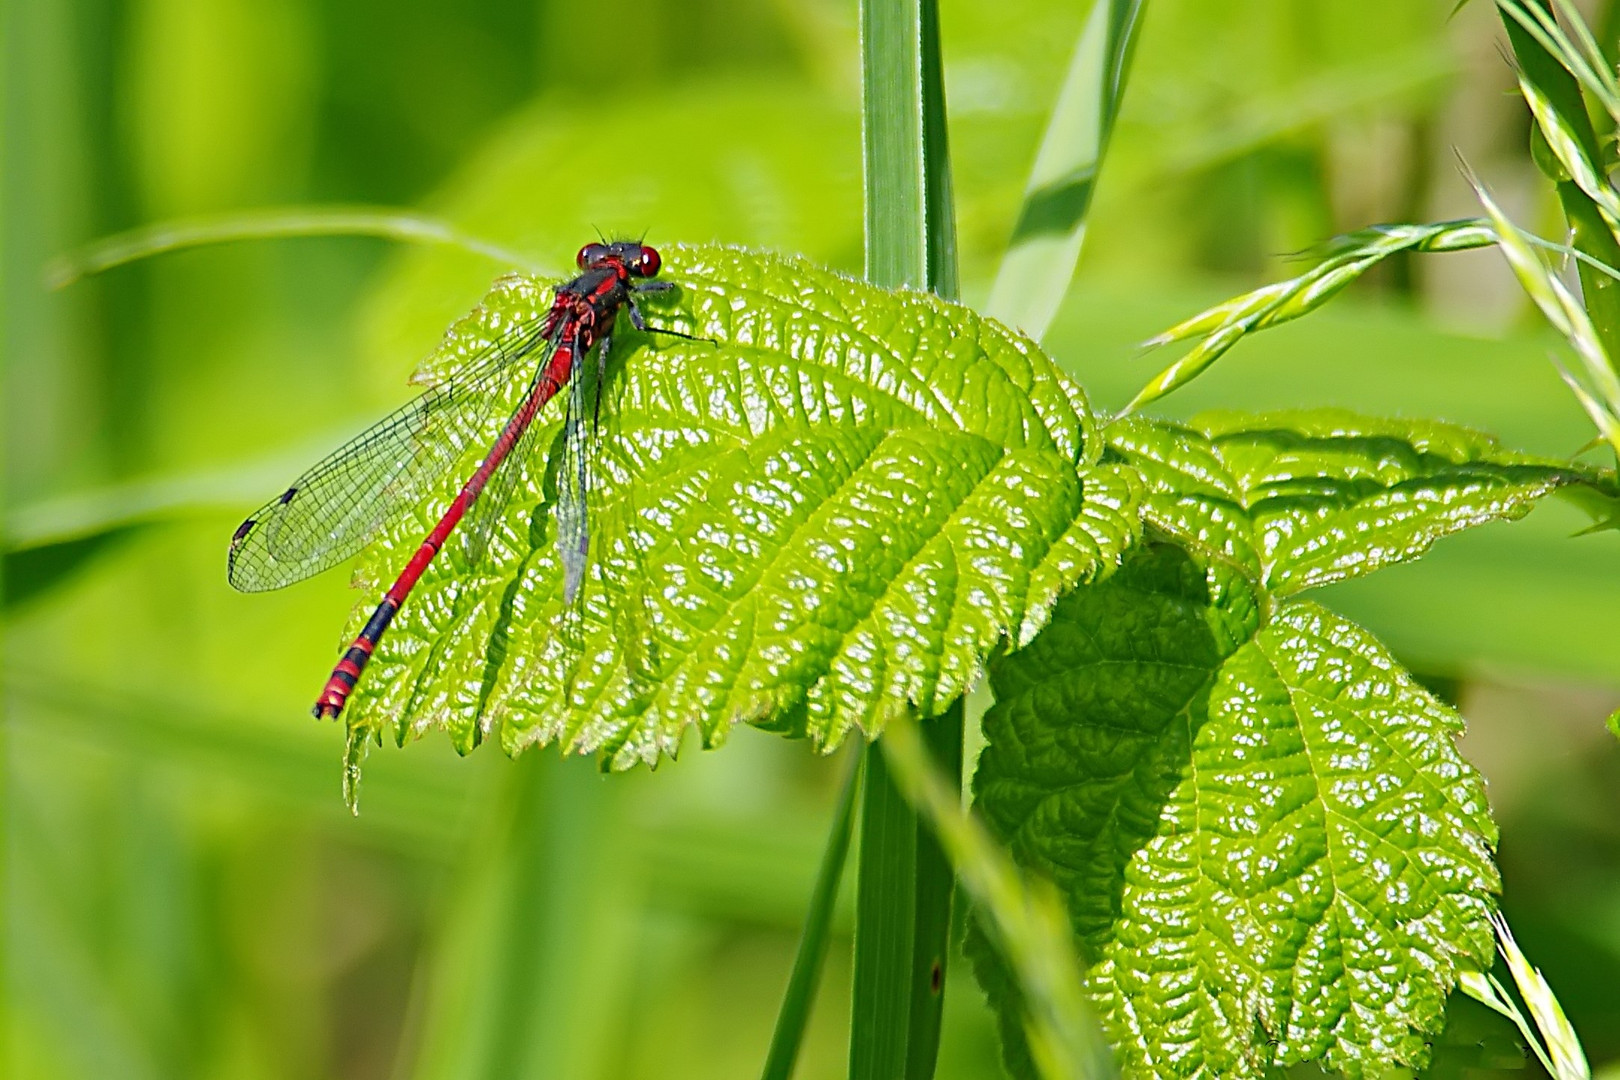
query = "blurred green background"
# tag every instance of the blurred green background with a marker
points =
(185, 894)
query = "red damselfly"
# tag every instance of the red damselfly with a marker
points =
(337, 507)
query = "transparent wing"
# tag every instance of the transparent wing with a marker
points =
(334, 509)
(573, 488)
(491, 506)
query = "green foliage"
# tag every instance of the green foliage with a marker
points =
(1306, 498)
(1271, 849)
(1045, 245)
(188, 899)
(837, 508)
(1022, 915)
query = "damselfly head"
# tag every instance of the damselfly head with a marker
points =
(638, 258)
(646, 262)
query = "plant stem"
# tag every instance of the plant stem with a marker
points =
(1024, 917)
(902, 920)
(801, 990)
(903, 905)
(910, 224)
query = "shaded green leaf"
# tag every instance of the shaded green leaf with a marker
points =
(1271, 849)
(1304, 498)
(840, 506)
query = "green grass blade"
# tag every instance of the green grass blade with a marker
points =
(1605, 418)
(1558, 1048)
(1566, 146)
(801, 990)
(43, 544)
(910, 224)
(167, 236)
(903, 902)
(84, 515)
(939, 211)
(902, 921)
(1025, 918)
(1345, 259)
(1040, 262)
(1541, 58)
(1564, 311)
(1584, 61)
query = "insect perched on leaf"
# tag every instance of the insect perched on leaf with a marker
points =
(339, 505)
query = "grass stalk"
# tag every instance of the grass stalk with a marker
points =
(902, 919)
(910, 224)
(293, 221)
(903, 901)
(1546, 1031)
(1590, 233)
(806, 975)
(1023, 915)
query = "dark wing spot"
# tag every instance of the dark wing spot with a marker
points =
(241, 532)
(286, 496)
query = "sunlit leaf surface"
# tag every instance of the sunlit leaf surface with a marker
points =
(1305, 498)
(1271, 848)
(1272, 851)
(838, 506)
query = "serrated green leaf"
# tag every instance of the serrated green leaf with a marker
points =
(1304, 498)
(1271, 849)
(840, 506)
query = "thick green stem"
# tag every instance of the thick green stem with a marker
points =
(903, 905)
(903, 909)
(910, 224)
(902, 921)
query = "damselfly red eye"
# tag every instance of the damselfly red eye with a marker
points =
(589, 254)
(649, 262)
